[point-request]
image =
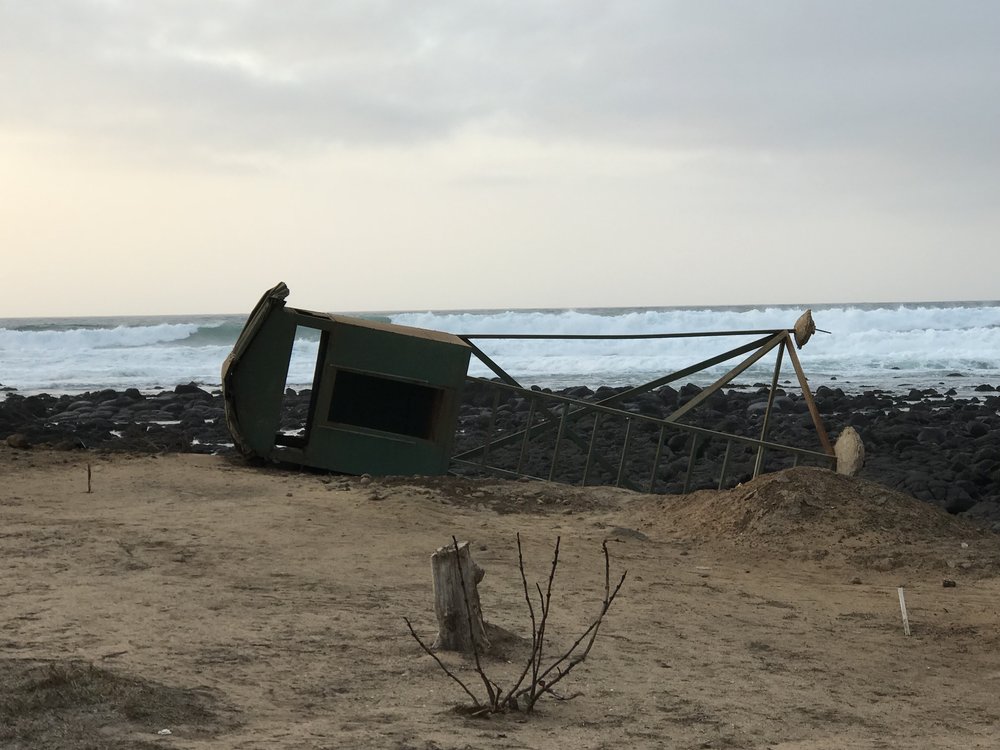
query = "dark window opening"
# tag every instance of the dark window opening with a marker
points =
(382, 404)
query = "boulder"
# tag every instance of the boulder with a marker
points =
(850, 451)
(19, 440)
(976, 428)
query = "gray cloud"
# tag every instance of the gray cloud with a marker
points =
(915, 79)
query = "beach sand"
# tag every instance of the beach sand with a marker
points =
(244, 607)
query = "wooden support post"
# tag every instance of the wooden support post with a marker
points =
(759, 463)
(810, 402)
(902, 611)
(459, 615)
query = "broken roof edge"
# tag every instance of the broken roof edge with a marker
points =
(376, 325)
(276, 296)
(273, 297)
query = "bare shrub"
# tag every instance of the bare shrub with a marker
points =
(540, 674)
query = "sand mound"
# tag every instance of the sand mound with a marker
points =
(814, 513)
(802, 513)
(811, 501)
(72, 703)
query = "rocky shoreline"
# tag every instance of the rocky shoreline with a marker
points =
(927, 443)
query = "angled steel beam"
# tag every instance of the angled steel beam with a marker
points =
(728, 377)
(612, 411)
(759, 462)
(572, 407)
(617, 336)
(532, 431)
(807, 395)
(551, 421)
(677, 374)
(497, 369)
(645, 387)
(683, 373)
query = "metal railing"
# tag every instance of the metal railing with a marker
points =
(542, 435)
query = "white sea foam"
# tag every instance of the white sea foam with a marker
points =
(86, 339)
(881, 346)
(889, 346)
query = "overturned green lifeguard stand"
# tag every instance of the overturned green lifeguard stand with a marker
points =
(384, 397)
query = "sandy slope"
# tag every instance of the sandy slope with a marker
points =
(766, 616)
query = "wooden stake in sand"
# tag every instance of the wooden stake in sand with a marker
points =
(902, 609)
(88, 479)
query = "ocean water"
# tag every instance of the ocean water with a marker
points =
(892, 347)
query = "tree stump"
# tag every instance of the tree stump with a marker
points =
(453, 615)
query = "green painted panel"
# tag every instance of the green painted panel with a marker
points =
(398, 355)
(359, 452)
(396, 407)
(258, 382)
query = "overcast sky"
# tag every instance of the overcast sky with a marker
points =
(181, 156)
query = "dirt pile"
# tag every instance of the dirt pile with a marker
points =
(815, 513)
(70, 703)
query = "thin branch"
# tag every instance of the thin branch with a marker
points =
(546, 603)
(592, 631)
(568, 657)
(572, 662)
(441, 664)
(534, 629)
(472, 633)
(540, 683)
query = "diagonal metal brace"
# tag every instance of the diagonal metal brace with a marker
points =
(728, 377)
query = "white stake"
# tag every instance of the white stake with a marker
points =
(902, 609)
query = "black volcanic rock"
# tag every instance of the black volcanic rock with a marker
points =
(943, 451)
